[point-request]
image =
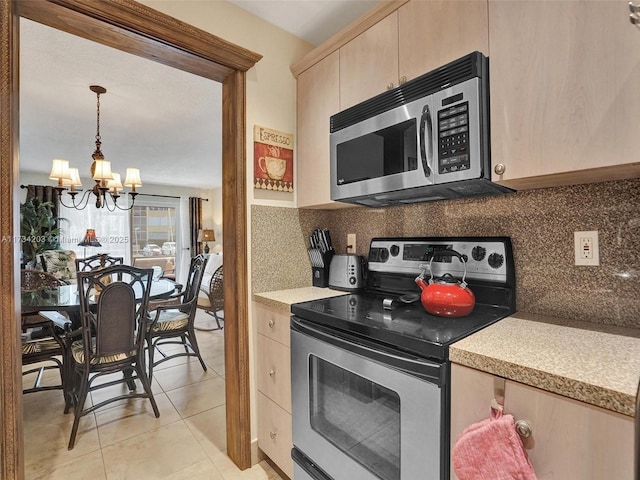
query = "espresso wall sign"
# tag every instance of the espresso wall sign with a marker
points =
(272, 159)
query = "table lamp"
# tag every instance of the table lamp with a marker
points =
(89, 240)
(206, 236)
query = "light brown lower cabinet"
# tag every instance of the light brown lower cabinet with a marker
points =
(571, 440)
(273, 378)
(274, 433)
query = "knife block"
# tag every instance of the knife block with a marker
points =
(320, 274)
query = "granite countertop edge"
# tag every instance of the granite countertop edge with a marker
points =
(283, 299)
(570, 358)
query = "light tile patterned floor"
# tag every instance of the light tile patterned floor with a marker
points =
(125, 440)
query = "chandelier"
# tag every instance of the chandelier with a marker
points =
(107, 182)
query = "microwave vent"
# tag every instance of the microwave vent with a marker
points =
(469, 66)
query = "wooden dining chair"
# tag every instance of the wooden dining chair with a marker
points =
(113, 307)
(42, 342)
(173, 322)
(100, 260)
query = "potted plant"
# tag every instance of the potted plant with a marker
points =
(38, 229)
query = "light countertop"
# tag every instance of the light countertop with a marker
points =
(283, 299)
(592, 363)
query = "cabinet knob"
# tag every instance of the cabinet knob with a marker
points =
(523, 428)
(403, 79)
(273, 434)
(272, 372)
(271, 323)
(390, 86)
(499, 169)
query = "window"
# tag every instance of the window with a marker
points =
(153, 231)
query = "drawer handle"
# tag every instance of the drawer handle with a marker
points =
(272, 372)
(523, 428)
(271, 323)
(273, 435)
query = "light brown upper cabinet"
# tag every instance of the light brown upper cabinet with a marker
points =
(565, 93)
(415, 39)
(318, 99)
(369, 63)
(434, 33)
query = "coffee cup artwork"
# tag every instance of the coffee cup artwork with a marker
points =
(273, 160)
(274, 167)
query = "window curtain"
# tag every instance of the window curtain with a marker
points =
(183, 239)
(44, 193)
(195, 224)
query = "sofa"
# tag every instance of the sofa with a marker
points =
(213, 262)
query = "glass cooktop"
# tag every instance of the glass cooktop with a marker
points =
(407, 327)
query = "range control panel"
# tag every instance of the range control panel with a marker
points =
(486, 258)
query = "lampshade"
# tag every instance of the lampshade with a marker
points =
(115, 185)
(133, 179)
(205, 235)
(73, 180)
(90, 239)
(102, 170)
(59, 170)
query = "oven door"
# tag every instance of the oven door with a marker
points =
(361, 412)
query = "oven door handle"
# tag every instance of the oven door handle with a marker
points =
(432, 372)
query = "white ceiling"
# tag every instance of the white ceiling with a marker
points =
(165, 121)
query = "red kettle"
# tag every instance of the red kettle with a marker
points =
(446, 296)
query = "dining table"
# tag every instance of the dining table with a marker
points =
(65, 298)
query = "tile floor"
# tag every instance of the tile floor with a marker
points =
(125, 441)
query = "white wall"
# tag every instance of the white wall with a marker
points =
(271, 96)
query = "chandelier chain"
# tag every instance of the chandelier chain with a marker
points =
(98, 119)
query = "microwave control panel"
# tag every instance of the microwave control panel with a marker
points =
(453, 138)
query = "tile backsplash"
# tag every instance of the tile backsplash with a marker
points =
(541, 224)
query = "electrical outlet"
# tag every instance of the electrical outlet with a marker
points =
(587, 251)
(351, 243)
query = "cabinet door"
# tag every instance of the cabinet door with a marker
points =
(572, 440)
(564, 90)
(272, 323)
(436, 32)
(318, 99)
(471, 395)
(274, 371)
(275, 433)
(369, 62)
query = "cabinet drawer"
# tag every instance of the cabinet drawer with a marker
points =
(274, 371)
(274, 433)
(272, 323)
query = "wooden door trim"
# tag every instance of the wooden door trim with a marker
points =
(137, 29)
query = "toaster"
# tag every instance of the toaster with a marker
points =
(346, 272)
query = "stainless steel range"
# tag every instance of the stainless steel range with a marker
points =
(370, 371)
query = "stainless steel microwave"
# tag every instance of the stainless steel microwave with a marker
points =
(427, 139)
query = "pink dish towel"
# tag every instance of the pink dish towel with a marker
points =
(492, 450)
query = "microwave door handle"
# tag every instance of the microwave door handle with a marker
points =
(425, 121)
